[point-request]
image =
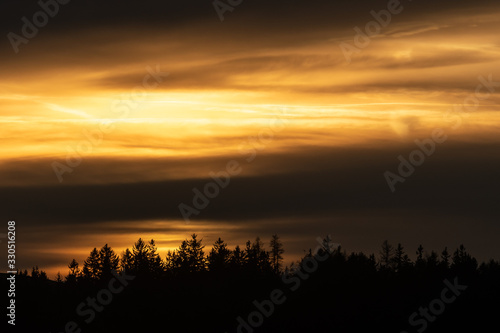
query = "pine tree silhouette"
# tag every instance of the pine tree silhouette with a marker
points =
(276, 253)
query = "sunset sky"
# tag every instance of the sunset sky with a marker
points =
(269, 87)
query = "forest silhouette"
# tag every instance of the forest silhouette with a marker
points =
(251, 290)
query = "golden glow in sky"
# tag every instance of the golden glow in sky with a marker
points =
(404, 81)
(103, 94)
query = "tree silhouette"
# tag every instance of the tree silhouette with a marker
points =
(400, 259)
(420, 262)
(463, 261)
(432, 261)
(127, 261)
(100, 264)
(445, 258)
(144, 258)
(195, 255)
(91, 266)
(276, 253)
(386, 255)
(256, 257)
(189, 258)
(237, 282)
(108, 262)
(220, 256)
(237, 259)
(35, 273)
(156, 264)
(59, 279)
(74, 272)
(420, 253)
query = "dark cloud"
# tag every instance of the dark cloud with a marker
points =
(458, 180)
(257, 20)
(200, 52)
(171, 12)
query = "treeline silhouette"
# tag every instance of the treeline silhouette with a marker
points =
(233, 290)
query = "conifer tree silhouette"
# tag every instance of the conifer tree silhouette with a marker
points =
(386, 255)
(91, 266)
(74, 272)
(276, 253)
(219, 256)
(127, 261)
(108, 262)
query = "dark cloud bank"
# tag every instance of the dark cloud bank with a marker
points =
(450, 199)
